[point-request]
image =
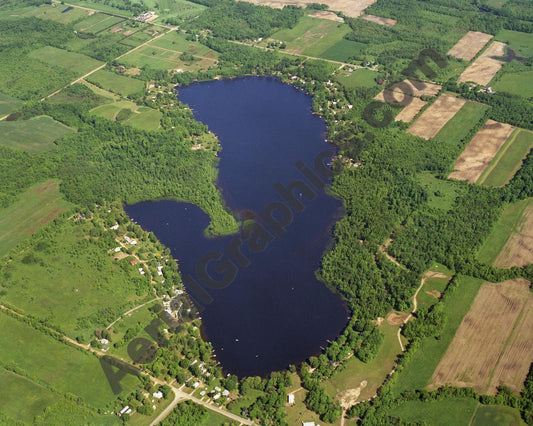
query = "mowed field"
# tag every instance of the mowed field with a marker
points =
(517, 83)
(140, 117)
(436, 116)
(58, 13)
(351, 8)
(361, 77)
(80, 64)
(481, 150)
(484, 68)
(521, 43)
(8, 104)
(493, 345)
(446, 412)
(34, 208)
(469, 45)
(116, 83)
(34, 135)
(65, 368)
(508, 160)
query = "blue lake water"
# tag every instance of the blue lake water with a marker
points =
(274, 312)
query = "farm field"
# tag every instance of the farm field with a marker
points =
(97, 22)
(469, 45)
(34, 135)
(497, 415)
(508, 160)
(510, 222)
(436, 116)
(140, 117)
(58, 13)
(519, 83)
(35, 208)
(65, 368)
(417, 373)
(173, 9)
(481, 150)
(8, 104)
(177, 42)
(484, 68)
(76, 62)
(361, 77)
(445, 412)
(521, 43)
(82, 290)
(115, 83)
(358, 381)
(491, 346)
(518, 250)
(349, 7)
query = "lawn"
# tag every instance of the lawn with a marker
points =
(454, 411)
(361, 77)
(518, 83)
(71, 280)
(497, 415)
(521, 43)
(417, 372)
(34, 208)
(65, 368)
(502, 230)
(8, 104)
(508, 160)
(441, 193)
(75, 62)
(429, 295)
(34, 135)
(142, 118)
(374, 372)
(116, 83)
(174, 9)
(455, 131)
(56, 12)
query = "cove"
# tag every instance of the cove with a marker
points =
(275, 312)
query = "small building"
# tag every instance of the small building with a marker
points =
(196, 384)
(290, 398)
(216, 397)
(308, 423)
(114, 227)
(104, 341)
(126, 408)
(158, 395)
(225, 392)
(105, 348)
(117, 249)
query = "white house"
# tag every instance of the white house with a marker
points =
(290, 398)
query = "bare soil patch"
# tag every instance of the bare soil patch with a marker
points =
(434, 293)
(133, 71)
(324, 14)
(518, 251)
(436, 116)
(128, 33)
(493, 345)
(116, 29)
(470, 45)
(396, 319)
(349, 396)
(351, 8)
(484, 68)
(481, 150)
(380, 20)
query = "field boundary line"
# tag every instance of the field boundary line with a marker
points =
(498, 156)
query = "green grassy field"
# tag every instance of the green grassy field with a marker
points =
(97, 22)
(497, 415)
(519, 83)
(456, 411)
(428, 296)
(8, 104)
(76, 62)
(508, 223)
(116, 83)
(65, 368)
(454, 132)
(143, 118)
(34, 208)
(54, 12)
(34, 135)
(521, 43)
(174, 9)
(77, 292)
(374, 372)
(358, 78)
(508, 160)
(176, 41)
(441, 193)
(417, 372)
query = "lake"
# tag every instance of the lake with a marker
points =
(271, 311)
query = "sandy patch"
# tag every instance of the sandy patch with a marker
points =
(470, 45)
(396, 319)
(484, 68)
(349, 396)
(128, 33)
(116, 29)
(324, 14)
(351, 8)
(481, 150)
(436, 116)
(380, 20)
